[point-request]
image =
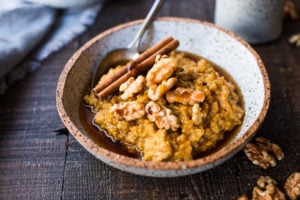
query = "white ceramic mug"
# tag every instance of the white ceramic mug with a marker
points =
(256, 21)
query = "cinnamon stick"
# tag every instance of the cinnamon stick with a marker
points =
(118, 73)
(147, 63)
(138, 69)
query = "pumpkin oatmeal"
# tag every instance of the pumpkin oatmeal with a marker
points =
(181, 107)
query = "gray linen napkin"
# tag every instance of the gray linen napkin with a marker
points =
(30, 32)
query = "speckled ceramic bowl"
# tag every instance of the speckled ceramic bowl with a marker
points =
(217, 45)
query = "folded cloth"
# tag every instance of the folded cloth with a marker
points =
(30, 32)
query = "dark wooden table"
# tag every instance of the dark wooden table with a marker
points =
(40, 160)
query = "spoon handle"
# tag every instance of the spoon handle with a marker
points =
(134, 45)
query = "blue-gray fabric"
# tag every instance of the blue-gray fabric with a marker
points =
(30, 32)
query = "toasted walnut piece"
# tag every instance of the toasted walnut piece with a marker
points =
(266, 190)
(264, 181)
(243, 197)
(186, 96)
(152, 107)
(292, 186)
(265, 144)
(162, 116)
(263, 153)
(196, 114)
(290, 10)
(295, 39)
(128, 110)
(132, 86)
(161, 70)
(156, 92)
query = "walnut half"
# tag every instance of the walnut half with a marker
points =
(156, 92)
(290, 10)
(292, 186)
(197, 116)
(128, 110)
(263, 153)
(162, 116)
(243, 197)
(185, 96)
(132, 86)
(161, 70)
(266, 189)
(295, 39)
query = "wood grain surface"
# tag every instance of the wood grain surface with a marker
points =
(40, 160)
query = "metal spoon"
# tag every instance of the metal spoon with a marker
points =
(118, 56)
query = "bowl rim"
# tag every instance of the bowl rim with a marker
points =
(102, 153)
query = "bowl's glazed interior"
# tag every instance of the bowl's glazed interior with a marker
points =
(217, 45)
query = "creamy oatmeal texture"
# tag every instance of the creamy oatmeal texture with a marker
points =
(181, 107)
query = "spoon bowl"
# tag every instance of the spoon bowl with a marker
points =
(122, 55)
(113, 58)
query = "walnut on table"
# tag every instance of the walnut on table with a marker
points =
(162, 116)
(295, 39)
(290, 10)
(292, 186)
(263, 153)
(266, 189)
(243, 197)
